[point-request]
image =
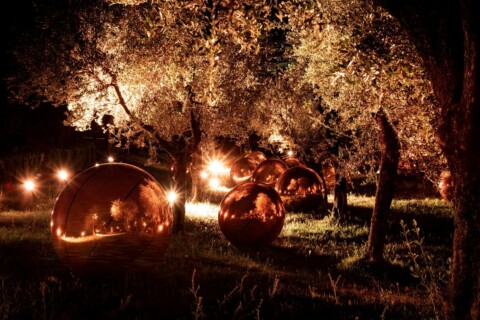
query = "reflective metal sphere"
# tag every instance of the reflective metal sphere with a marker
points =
(251, 214)
(110, 218)
(268, 171)
(300, 189)
(293, 162)
(257, 156)
(242, 170)
(445, 186)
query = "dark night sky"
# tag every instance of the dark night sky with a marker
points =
(19, 125)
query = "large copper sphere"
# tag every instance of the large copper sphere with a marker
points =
(251, 214)
(242, 170)
(111, 218)
(293, 162)
(300, 189)
(268, 171)
(257, 156)
(445, 185)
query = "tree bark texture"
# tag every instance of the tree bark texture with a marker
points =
(340, 204)
(180, 177)
(447, 35)
(389, 148)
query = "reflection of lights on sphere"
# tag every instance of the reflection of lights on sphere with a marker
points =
(290, 153)
(110, 218)
(62, 175)
(257, 156)
(293, 162)
(301, 189)
(242, 170)
(29, 185)
(110, 159)
(251, 214)
(268, 171)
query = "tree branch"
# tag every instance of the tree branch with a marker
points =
(166, 145)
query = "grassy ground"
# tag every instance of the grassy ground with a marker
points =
(313, 270)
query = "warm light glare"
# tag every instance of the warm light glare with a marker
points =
(62, 175)
(96, 164)
(214, 183)
(290, 153)
(29, 185)
(204, 175)
(202, 210)
(216, 167)
(172, 197)
(110, 159)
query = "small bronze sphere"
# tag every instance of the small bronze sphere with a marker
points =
(301, 189)
(257, 156)
(268, 171)
(242, 170)
(251, 214)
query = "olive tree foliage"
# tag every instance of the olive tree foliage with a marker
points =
(357, 60)
(165, 74)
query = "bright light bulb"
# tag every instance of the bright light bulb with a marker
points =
(29, 185)
(172, 197)
(216, 167)
(110, 159)
(62, 175)
(204, 175)
(214, 183)
(290, 153)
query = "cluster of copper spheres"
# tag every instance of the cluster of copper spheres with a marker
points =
(253, 212)
(112, 216)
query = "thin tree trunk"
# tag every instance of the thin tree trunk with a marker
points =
(180, 179)
(340, 203)
(389, 147)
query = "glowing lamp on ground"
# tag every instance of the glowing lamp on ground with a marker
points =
(29, 185)
(111, 218)
(172, 196)
(214, 183)
(62, 175)
(301, 189)
(268, 171)
(242, 170)
(216, 167)
(251, 214)
(257, 156)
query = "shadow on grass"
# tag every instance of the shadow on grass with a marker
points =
(435, 228)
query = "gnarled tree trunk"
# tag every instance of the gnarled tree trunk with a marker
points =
(447, 34)
(389, 147)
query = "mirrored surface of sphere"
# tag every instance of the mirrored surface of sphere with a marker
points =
(242, 170)
(268, 171)
(300, 189)
(251, 214)
(257, 156)
(109, 218)
(293, 162)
